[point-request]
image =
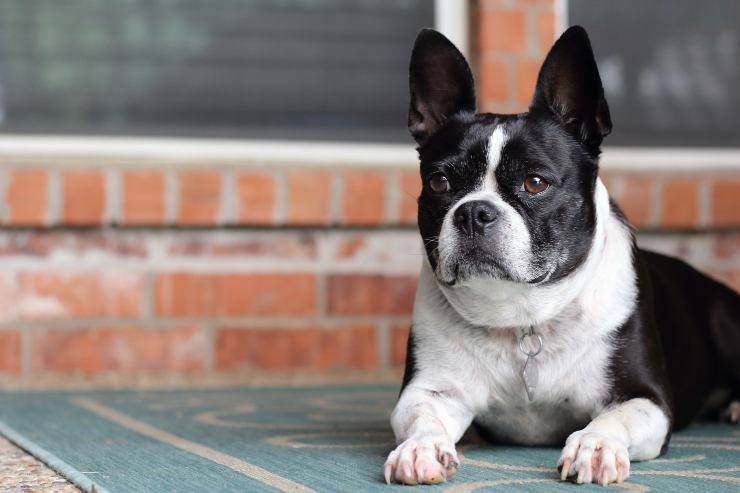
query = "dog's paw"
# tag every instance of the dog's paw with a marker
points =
(732, 413)
(592, 457)
(422, 460)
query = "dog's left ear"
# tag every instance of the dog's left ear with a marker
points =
(570, 87)
(440, 82)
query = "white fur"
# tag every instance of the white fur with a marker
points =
(632, 430)
(468, 364)
(496, 143)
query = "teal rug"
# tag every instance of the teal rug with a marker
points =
(331, 439)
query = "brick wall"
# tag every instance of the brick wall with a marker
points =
(257, 268)
(288, 196)
(510, 40)
(187, 265)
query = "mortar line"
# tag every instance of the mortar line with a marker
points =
(54, 198)
(227, 198)
(4, 184)
(171, 197)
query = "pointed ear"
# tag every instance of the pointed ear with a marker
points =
(569, 86)
(441, 84)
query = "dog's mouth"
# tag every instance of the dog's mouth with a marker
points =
(455, 272)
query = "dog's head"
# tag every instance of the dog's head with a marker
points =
(507, 197)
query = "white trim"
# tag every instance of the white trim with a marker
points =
(139, 151)
(207, 152)
(451, 19)
(670, 158)
(561, 17)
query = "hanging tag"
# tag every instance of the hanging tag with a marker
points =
(530, 343)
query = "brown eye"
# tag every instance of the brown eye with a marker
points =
(535, 184)
(439, 183)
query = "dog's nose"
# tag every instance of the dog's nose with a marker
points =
(473, 217)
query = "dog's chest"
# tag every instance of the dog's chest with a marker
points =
(571, 384)
(538, 423)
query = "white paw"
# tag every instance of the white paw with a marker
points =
(422, 460)
(593, 457)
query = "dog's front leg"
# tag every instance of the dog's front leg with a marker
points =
(427, 423)
(601, 452)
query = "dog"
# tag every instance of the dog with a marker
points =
(536, 318)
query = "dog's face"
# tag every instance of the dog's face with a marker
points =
(507, 197)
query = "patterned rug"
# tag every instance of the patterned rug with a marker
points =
(297, 439)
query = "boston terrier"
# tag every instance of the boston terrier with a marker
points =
(537, 318)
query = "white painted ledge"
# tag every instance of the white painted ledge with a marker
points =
(670, 159)
(140, 151)
(206, 152)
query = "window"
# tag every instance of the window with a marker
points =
(671, 68)
(299, 69)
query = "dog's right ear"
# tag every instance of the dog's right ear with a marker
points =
(441, 84)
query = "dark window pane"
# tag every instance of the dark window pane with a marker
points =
(671, 68)
(327, 69)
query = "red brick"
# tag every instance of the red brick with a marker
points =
(309, 197)
(409, 184)
(545, 30)
(727, 246)
(363, 197)
(526, 79)
(350, 246)
(120, 349)
(399, 341)
(726, 202)
(143, 197)
(371, 294)
(48, 294)
(83, 197)
(255, 194)
(190, 294)
(27, 197)
(635, 199)
(200, 197)
(502, 31)
(494, 81)
(353, 347)
(680, 207)
(10, 352)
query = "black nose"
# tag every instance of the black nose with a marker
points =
(473, 217)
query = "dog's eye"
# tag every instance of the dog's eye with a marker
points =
(535, 184)
(439, 183)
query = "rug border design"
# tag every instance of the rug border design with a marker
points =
(65, 470)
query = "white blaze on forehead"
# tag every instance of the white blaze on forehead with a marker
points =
(496, 143)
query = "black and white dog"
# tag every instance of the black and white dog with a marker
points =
(536, 316)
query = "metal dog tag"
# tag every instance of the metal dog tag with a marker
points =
(530, 343)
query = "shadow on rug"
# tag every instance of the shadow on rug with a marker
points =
(297, 439)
